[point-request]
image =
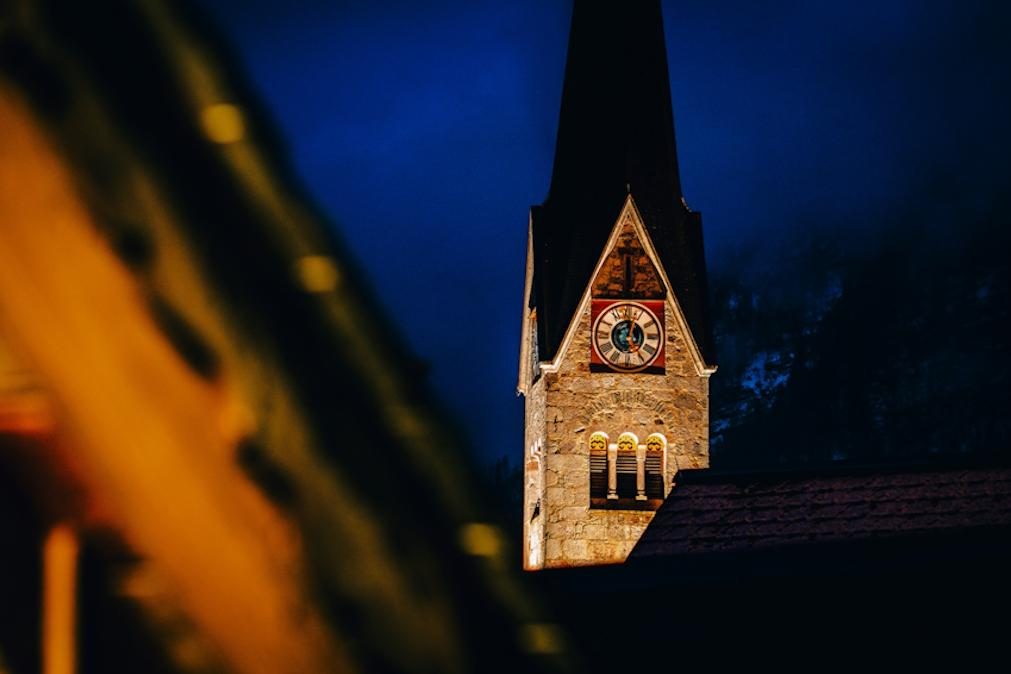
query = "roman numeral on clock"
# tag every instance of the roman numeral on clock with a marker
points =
(638, 343)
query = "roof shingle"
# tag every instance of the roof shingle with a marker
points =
(709, 512)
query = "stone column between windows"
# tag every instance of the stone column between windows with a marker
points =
(612, 470)
(640, 473)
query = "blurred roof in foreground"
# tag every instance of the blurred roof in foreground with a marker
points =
(196, 381)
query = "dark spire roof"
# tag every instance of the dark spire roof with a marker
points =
(615, 137)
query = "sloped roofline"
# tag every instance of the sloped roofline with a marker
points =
(523, 379)
(631, 212)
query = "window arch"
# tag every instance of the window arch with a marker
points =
(626, 466)
(598, 465)
(655, 464)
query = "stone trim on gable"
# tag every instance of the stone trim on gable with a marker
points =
(630, 215)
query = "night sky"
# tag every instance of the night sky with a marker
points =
(426, 131)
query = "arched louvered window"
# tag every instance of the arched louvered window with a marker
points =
(656, 450)
(626, 475)
(598, 465)
(625, 465)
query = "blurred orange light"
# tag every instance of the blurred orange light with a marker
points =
(59, 560)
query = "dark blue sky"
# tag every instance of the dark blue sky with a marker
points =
(426, 130)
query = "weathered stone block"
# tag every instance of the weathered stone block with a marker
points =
(575, 550)
(608, 552)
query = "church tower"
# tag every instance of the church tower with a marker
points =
(616, 352)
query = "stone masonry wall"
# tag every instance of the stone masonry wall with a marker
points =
(533, 476)
(576, 403)
(611, 282)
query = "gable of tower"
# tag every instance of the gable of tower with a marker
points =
(629, 245)
(627, 272)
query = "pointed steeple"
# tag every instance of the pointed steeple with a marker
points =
(616, 129)
(615, 137)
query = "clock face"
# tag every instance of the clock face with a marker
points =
(627, 336)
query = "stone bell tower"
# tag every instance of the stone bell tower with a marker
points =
(616, 351)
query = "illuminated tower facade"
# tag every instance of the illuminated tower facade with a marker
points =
(616, 350)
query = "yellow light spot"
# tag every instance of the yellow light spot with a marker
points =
(481, 540)
(59, 590)
(223, 123)
(317, 273)
(540, 638)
